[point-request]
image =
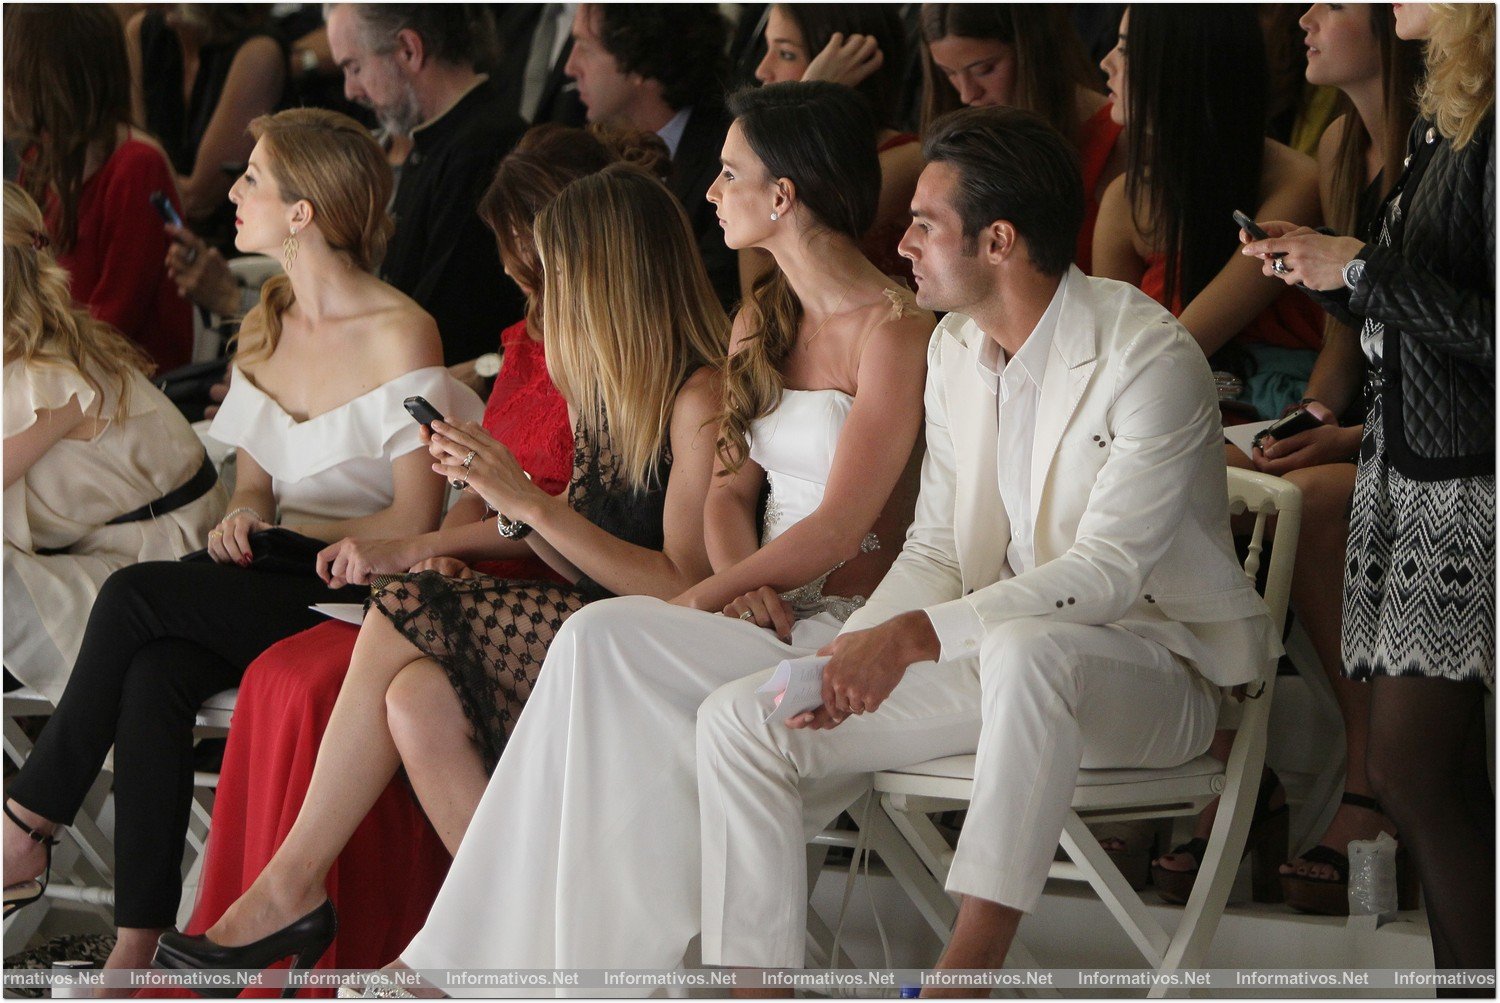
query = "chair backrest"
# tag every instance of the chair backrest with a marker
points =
(1267, 498)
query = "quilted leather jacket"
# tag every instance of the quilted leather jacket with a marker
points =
(1434, 289)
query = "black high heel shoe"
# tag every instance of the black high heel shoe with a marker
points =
(26, 892)
(305, 941)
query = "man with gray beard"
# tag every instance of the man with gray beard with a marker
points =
(414, 66)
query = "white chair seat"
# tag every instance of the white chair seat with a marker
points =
(919, 854)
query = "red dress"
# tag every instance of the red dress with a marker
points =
(118, 261)
(387, 877)
(1096, 141)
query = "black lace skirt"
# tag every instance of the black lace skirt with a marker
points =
(490, 635)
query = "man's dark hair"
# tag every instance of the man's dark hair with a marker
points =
(681, 46)
(1013, 166)
(459, 34)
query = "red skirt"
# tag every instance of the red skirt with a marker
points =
(387, 877)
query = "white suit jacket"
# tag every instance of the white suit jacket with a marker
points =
(1127, 483)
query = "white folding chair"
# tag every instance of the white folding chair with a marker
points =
(919, 856)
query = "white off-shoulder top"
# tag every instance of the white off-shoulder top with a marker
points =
(337, 465)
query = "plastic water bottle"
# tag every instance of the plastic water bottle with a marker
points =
(1372, 876)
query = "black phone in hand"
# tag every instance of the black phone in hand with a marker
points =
(424, 413)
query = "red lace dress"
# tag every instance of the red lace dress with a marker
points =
(389, 874)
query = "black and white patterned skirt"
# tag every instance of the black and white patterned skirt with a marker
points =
(1419, 579)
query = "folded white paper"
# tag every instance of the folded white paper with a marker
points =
(1243, 435)
(349, 612)
(796, 687)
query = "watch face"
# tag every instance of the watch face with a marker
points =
(1353, 272)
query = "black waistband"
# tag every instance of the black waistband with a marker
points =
(197, 486)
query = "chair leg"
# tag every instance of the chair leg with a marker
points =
(1122, 901)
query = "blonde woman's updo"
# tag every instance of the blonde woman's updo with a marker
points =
(333, 163)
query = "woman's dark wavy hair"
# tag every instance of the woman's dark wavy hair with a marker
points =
(821, 137)
(818, 22)
(1195, 133)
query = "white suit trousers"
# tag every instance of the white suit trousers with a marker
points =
(583, 852)
(1042, 700)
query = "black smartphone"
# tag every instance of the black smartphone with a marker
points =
(423, 412)
(1256, 233)
(1300, 420)
(164, 207)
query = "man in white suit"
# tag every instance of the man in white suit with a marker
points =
(1068, 594)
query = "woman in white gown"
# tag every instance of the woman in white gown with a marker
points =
(584, 851)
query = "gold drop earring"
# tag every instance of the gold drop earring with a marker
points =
(289, 250)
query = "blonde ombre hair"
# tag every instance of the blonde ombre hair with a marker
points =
(331, 161)
(42, 326)
(1459, 90)
(627, 309)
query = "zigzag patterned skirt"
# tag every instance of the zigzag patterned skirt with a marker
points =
(1419, 579)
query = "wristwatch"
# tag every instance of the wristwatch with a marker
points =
(1354, 271)
(487, 365)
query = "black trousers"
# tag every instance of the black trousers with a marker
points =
(162, 638)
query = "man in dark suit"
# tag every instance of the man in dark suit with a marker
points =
(535, 43)
(659, 68)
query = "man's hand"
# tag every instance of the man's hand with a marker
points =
(866, 665)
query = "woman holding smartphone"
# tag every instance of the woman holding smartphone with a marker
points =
(1419, 584)
(1354, 48)
(386, 877)
(585, 849)
(324, 449)
(635, 341)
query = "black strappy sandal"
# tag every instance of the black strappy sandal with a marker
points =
(26, 892)
(1266, 844)
(1330, 896)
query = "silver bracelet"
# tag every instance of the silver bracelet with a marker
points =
(511, 529)
(243, 508)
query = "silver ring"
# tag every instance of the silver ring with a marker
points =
(747, 615)
(458, 483)
(190, 255)
(1279, 266)
(468, 459)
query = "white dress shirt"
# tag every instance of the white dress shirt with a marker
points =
(1017, 387)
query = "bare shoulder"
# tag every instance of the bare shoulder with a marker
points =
(1287, 170)
(400, 335)
(698, 402)
(1328, 143)
(899, 320)
(899, 332)
(739, 331)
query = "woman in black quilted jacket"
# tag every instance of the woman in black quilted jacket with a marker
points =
(1419, 586)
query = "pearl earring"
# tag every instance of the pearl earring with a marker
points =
(775, 216)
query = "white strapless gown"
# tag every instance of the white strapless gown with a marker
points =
(584, 851)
